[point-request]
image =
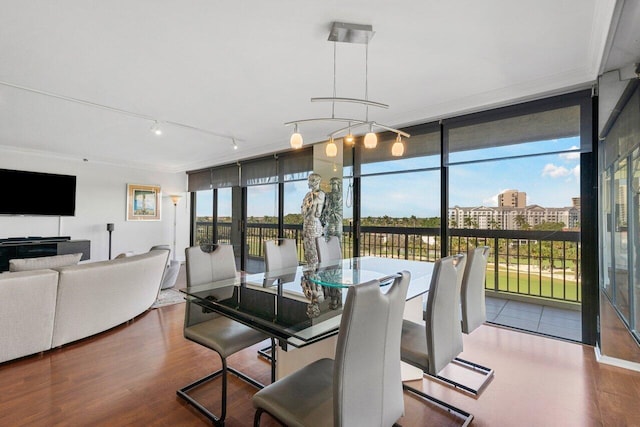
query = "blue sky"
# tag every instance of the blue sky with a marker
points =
(550, 180)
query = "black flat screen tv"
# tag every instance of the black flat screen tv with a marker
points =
(35, 193)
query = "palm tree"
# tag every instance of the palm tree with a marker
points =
(470, 222)
(521, 222)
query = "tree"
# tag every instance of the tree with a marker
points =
(493, 224)
(470, 222)
(549, 226)
(521, 222)
(432, 222)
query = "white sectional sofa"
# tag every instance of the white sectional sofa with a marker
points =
(43, 309)
(27, 309)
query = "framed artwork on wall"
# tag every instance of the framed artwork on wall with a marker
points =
(143, 202)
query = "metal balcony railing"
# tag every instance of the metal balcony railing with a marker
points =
(543, 264)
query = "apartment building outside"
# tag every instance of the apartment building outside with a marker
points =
(513, 214)
(512, 198)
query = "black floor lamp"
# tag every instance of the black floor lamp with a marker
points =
(110, 229)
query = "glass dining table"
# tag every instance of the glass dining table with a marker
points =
(301, 307)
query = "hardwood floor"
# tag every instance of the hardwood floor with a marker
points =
(128, 376)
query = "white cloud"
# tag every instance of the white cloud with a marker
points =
(493, 200)
(555, 171)
(576, 172)
(570, 156)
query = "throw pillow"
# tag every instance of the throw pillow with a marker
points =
(28, 264)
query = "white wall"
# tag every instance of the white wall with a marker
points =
(101, 198)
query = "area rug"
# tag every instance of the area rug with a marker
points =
(168, 297)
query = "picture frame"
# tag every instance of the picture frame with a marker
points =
(143, 202)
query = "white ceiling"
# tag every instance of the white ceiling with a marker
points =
(243, 68)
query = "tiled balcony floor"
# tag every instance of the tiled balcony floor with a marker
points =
(557, 322)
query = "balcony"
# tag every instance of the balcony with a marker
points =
(533, 277)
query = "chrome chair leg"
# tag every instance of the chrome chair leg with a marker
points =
(465, 416)
(487, 372)
(265, 353)
(216, 420)
(183, 393)
(256, 417)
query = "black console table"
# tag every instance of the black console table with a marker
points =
(32, 247)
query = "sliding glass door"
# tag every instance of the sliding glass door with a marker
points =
(514, 185)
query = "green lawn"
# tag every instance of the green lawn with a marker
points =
(535, 285)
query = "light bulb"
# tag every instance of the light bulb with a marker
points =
(296, 139)
(370, 140)
(349, 138)
(332, 149)
(397, 149)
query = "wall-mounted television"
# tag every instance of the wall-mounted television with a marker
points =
(35, 193)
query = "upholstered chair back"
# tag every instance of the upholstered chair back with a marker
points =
(280, 254)
(393, 407)
(444, 334)
(328, 250)
(474, 312)
(205, 267)
(460, 264)
(367, 386)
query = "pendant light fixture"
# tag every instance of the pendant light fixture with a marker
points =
(397, 149)
(350, 33)
(296, 138)
(349, 138)
(370, 139)
(332, 149)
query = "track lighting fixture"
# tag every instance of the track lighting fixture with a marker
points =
(156, 129)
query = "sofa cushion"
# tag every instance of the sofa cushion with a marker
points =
(27, 310)
(96, 296)
(28, 264)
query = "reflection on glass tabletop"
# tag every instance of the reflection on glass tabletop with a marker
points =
(343, 276)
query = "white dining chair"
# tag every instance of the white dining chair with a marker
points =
(280, 254)
(363, 385)
(328, 250)
(433, 345)
(473, 307)
(214, 331)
